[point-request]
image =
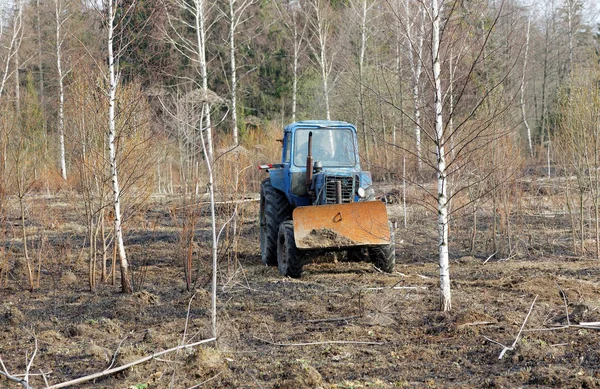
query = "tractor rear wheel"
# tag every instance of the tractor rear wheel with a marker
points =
(288, 260)
(274, 209)
(384, 256)
(357, 255)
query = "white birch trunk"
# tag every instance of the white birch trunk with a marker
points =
(200, 20)
(416, 68)
(19, 11)
(324, 75)
(15, 42)
(295, 71)
(213, 221)
(523, 115)
(570, 5)
(290, 21)
(233, 71)
(321, 28)
(361, 64)
(451, 110)
(41, 69)
(112, 91)
(445, 296)
(61, 90)
(297, 44)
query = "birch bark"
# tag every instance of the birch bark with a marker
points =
(321, 26)
(61, 90)
(113, 80)
(445, 295)
(416, 50)
(235, 19)
(523, 115)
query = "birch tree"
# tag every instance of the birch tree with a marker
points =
(61, 17)
(321, 21)
(195, 49)
(362, 10)
(237, 10)
(415, 36)
(522, 94)
(12, 48)
(578, 143)
(113, 84)
(291, 18)
(442, 198)
(476, 105)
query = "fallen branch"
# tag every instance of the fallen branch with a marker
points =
(580, 325)
(332, 319)
(591, 324)
(520, 331)
(319, 343)
(12, 378)
(127, 366)
(490, 257)
(397, 288)
(476, 323)
(21, 381)
(225, 202)
(114, 358)
(564, 297)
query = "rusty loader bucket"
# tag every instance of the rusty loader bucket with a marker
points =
(341, 225)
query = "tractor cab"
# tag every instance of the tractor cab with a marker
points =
(334, 172)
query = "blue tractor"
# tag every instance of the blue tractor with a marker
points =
(319, 199)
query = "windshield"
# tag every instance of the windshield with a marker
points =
(333, 147)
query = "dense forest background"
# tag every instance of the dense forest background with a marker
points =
(162, 87)
(505, 64)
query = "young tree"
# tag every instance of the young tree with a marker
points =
(361, 10)
(478, 104)
(113, 85)
(291, 17)
(236, 18)
(442, 174)
(195, 15)
(523, 113)
(61, 15)
(12, 46)
(415, 36)
(322, 21)
(578, 143)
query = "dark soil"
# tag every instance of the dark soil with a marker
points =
(325, 238)
(342, 325)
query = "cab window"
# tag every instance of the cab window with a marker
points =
(288, 148)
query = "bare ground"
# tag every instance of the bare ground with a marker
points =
(342, 325)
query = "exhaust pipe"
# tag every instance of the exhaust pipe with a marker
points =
(309, 164)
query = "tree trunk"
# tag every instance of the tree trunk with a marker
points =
(445, 296)
(297, 44)
(113, 83)
(61, 90)
(416, 68)
(524, 117)
(213, 221)
(361, 75)
(233, 71)
(200, 20)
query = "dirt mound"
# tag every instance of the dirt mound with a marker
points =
(325, 238)
(300, 374)
(208, 363)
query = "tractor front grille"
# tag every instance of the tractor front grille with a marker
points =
(349, 186)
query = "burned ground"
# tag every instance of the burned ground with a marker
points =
(342, 325)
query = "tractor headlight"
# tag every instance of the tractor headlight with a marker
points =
(361, 193)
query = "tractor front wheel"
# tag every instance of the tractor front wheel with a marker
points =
(384, 256)
(274, 209)
(288, 260)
